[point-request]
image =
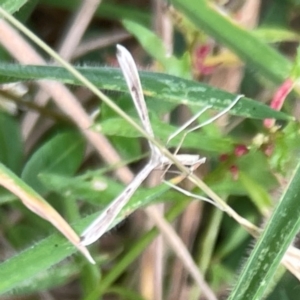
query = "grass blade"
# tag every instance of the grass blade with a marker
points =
(270, 248)
(156, 86)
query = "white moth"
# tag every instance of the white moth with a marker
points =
(101, 224)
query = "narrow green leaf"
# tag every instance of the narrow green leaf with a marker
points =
(277, 14)
(132, 149)
(47, 280)
(61, 155)
(232, 241)
(41, 256)
(12, 6)
(257, 193)
(195, 140)
(296, 67)
(257, 166)
(125, 293)
(279, 233)
(24, 14)
(251, 50)
(155, 85)
(56, 276)
(11, 153)
(276, 35)
(78, 188)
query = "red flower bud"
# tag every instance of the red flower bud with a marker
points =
(240, 150)
(279, 98)
(234, 172)
(223, 157)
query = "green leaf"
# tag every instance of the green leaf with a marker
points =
(11, 153)
(277, 14)
(79, 188)
(256, 165)
(257, 193)
(165, 87)
(218, 273)
(12, 6)
(107, 10)
(60, 155)
(254, 52)
(24, 14)
(234, 239)
(125, 293)
(47, 280)
(287, 148)
(47, 253)
(132, 149)
(276, 35)
(195, 140)
(54, 277)
(279, 233)
(296, 67)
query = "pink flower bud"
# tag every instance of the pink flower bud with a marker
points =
(240, 150)
(279, 98)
